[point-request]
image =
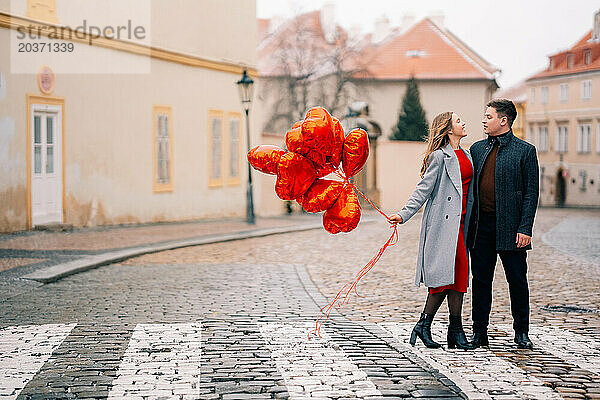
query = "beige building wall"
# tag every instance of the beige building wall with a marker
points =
(467, 98)
(108, 132)
(582, 169)
(398, 170)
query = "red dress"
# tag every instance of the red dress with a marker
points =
(461, 263)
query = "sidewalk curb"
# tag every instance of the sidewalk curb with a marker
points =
(59, 271)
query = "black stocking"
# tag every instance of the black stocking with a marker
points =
(455, 301)
(434, 301)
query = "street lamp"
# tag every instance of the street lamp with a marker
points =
(245, 88)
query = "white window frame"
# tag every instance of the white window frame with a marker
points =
(570, 60)
(216, 148)
(586, 89)
(562, 138)
(563, 92)
(532, 96)
(598, 140)
(234, 153)
(531, 134)
(587, 56)
(584, 133)
(162, 117)
(544, 95)
(543, 144)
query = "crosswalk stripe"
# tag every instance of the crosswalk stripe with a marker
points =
(480, 374)
(314, 368)
(23, 351)
(161, 361)
(577, 349)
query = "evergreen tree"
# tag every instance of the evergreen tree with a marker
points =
(412, 124)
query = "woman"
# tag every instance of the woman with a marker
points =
(442, 264)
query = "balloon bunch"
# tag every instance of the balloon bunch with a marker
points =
(316, 148)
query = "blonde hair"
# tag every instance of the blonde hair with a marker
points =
(438, 136)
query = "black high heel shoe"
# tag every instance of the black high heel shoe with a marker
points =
(456, 335)
(422, 330)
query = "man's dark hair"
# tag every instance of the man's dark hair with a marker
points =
(504, 108)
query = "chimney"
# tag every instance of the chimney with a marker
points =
(438, 18)
(328, 21)
(408, 20)
(596, 33)
(382, 29)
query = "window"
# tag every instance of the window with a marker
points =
(225, 148)
(586, 90)
(532, 96)
(544, 95)
(234, 146)
(564, 92)
(530, 135)
(562, 139)
(543, 144)
(163, 148)
(598, 141)
(570, 59)
(584, 138)
(215, 148)
(587, 56)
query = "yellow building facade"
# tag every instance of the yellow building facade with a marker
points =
(563, 122)
(164, 142)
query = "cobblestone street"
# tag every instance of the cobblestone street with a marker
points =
(230, 321)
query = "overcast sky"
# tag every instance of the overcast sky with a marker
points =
(515, 35)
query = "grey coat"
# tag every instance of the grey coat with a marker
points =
(441, 188)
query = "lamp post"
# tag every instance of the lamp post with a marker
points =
(245, 88)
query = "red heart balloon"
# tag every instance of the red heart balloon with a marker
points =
(265, 158)
(321, 195)
(295, 174)
(338, 138)
(356, 151)
(344, 215)
(317, 135)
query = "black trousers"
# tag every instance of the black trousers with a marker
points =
(483, 263)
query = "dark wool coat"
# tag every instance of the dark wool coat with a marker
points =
(517, 189)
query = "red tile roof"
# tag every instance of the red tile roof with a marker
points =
(558, 64)
(427, 51)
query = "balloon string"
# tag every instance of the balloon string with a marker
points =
(343, 295)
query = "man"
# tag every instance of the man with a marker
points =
(506, 196)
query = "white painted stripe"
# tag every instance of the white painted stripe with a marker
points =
(314, 368)
(161, 361)
(580, 350)
(479, 373)
(23, 351)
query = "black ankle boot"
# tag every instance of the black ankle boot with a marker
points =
(480, 338)
(423, 330)
(456, 335)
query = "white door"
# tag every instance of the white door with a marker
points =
(46, 168)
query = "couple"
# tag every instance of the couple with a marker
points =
(483, 200)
